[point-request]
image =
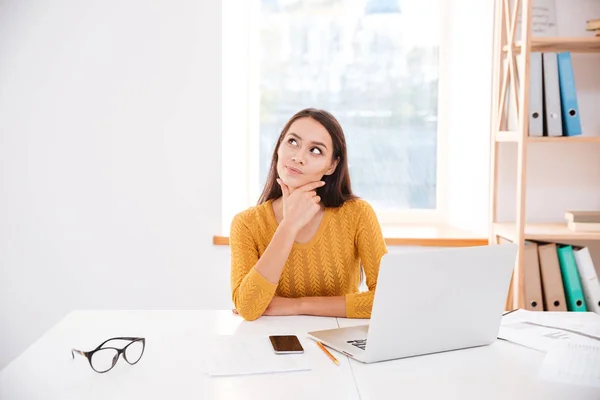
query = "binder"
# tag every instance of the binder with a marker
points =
(531, 278)
(568, 95)
(536, 98)
(571, 281)
(552, 111)
(589, 278)
(552, 283)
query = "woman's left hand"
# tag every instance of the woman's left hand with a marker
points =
(281, 306)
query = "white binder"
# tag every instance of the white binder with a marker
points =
(588, 278)
(552, 95)
(536, 99)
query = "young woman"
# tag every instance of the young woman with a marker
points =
(300, 250)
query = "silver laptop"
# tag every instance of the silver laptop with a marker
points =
(429, 301)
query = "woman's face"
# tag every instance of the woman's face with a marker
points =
(305, 153)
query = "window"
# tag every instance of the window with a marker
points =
(374, 65)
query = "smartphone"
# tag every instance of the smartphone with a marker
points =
(286, 344)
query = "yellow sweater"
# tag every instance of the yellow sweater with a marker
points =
(327, 265)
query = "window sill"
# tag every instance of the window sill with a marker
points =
(437, 235)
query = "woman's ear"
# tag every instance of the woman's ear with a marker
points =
(333, 166)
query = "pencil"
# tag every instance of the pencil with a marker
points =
(328, 353)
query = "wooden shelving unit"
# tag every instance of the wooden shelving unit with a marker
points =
(543, 232)
(557, 44)
(505, 74)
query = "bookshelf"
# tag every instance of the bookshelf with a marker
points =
(506, 48)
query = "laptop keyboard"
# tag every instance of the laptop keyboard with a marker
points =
(360, 343)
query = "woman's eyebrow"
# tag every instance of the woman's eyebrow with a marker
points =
(298, 137)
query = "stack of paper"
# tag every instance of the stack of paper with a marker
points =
(244, 355)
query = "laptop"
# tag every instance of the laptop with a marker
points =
(430, 301)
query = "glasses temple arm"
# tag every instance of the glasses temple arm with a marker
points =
(73, 351)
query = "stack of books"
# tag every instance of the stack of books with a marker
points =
(594, 26)
(583, 221)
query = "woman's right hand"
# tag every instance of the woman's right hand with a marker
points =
(300, 206)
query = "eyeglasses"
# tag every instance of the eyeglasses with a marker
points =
(102, 359)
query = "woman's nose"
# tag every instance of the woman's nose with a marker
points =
(298, 159)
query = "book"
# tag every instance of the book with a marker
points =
(583, 216)
(593, 25)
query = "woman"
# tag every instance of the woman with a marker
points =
(300, 250)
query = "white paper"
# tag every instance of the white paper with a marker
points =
(544, 330)
(572, 363)
(245, 355)
(539, 337)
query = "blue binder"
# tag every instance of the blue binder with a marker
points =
(568, 96)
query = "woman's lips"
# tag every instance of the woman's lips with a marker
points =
(293, 171)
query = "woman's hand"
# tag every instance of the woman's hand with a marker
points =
(280, 306)
(301, 205)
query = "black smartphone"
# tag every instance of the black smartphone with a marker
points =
(286, 344)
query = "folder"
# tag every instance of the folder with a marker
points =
(589, 278)
(531, 278)
(552, 100)
(536, 98)
(570, 276)
(552, 283)
(568, 95)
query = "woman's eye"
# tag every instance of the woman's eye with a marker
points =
(316, 150)
(292, 142)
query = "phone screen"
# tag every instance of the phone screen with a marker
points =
(286, 344)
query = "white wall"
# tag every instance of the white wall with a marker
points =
(110, 154)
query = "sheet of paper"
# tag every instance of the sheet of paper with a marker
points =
(245, 355)
(583, 322)
(544, 330)
(540, 337)
(572, 363)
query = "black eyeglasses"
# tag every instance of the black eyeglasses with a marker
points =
(102, 359)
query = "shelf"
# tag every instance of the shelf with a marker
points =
(513, 136)
(551, 232)
(558, 44)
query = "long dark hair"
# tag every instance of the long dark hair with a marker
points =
(337, 187)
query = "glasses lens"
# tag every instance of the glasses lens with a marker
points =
(134, 352)
(104, 359)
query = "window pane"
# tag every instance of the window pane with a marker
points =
(374, 66)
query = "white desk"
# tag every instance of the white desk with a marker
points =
(502, 370)
(172, 365)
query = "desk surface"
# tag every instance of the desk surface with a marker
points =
(502, 370)
(172, 364)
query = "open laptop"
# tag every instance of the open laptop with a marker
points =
(429, 301)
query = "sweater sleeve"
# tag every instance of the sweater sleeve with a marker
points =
(251, 292)
(371, 248)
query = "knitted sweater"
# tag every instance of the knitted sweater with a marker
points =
(328, 265)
